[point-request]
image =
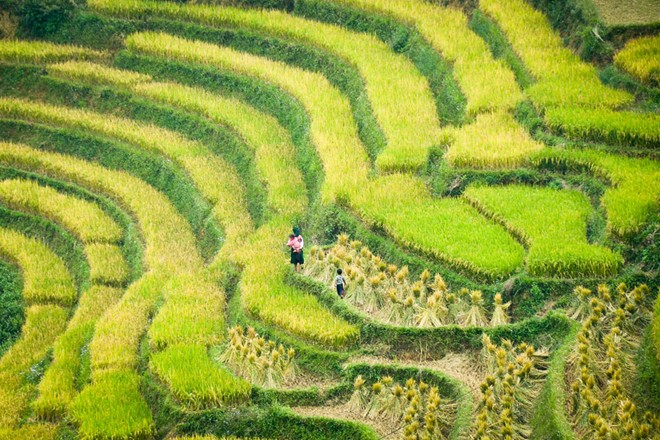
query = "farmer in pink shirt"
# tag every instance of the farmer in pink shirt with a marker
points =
(296, 244)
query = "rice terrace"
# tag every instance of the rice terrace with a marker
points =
(329, 219)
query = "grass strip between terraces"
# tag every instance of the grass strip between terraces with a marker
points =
(216, 179)
(406, 210)
(274, 157)
(487, 83)
(614, 127)
(115, 342)
(42, 325)
(46, 278)
(562, 78)
(271, 142)
(84, 219)
(58, 387)
(553, 223)
(641, 58)
(410, 124)
(656, 327)
(43, 52)
(635, 190)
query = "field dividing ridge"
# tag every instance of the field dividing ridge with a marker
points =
(400, 96)
(407, 210)
(214, 177)
(633, 196)
(562, 78)
(553, 223)
(47, 286)
(275, 161)
(170, 249)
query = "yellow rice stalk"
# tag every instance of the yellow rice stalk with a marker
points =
(42, 431)
(633, 196)
(616, 127)
(562, 78)
(106, 263)
(641, 58)
(216, 179)
(476, 315)
(265, 294)
(333, 133)
(494, 140)
(46, 279)
(43, 324)
(170, 250)
(401, 204)
(261, 132)
(84, 219)
(387, 293)
(553, 223)
(193, 313)
(97, 73)
(416, 407)
(43, 52)
(272, 143)
(58, 387)
(112, 407)
(93, 303)
(487, 83)
(196, 380)
(403, 207)
(118, 331)
(258, 360)
(500, 316)
(410, 125)
(170, 243)
(608, 341)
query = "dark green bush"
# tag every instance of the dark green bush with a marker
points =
(12, 314)
(38, 18)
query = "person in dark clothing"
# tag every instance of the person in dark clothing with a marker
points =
(340, 283)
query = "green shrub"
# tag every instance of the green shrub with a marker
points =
(39, 18)
(12, 314)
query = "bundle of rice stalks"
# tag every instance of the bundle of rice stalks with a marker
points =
(603, 365)
(509, 389)
(499, 312)
(416, 407)
(390, 293)
(476, 315)
(258, 360)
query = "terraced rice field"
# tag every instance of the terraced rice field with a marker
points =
(491, 197)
